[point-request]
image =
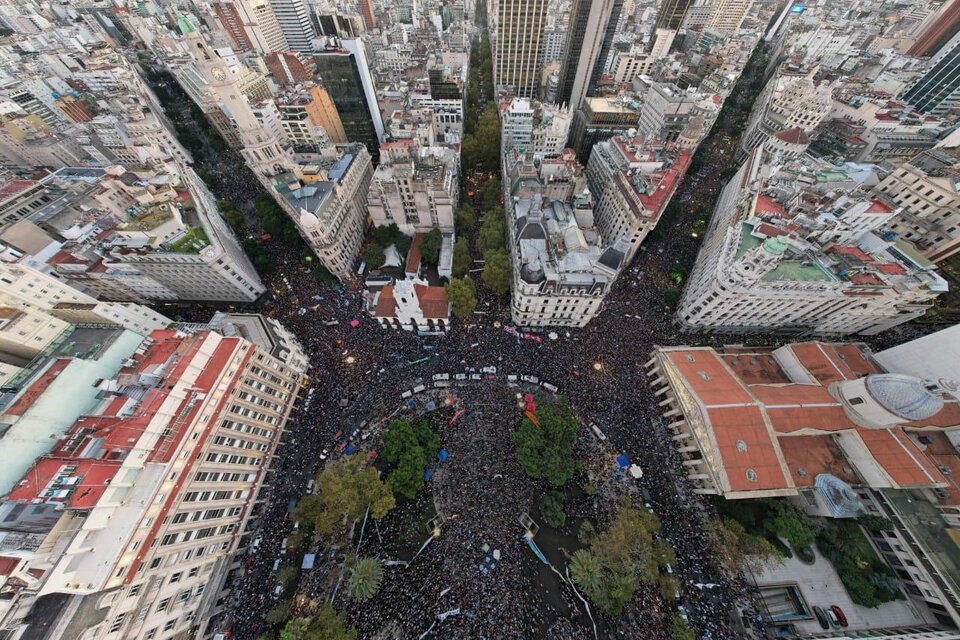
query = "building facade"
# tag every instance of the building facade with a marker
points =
(517, 41)
(193, 452)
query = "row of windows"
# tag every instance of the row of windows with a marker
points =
(240, 443)
(224, 476)
(226, 458)
(196, 534)
(260, 402)
(246, 412)
(209, 496)
(208, 514)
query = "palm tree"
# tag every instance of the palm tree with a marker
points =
(585, 570)
(365, 577)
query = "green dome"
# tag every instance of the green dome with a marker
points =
(776, 246)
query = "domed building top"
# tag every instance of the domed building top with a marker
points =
(776, 246)
(909, 397)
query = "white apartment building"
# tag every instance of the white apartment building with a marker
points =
(252, 24)
(791, 101)
(145, 534)
(516, 128)
(533, 126)
(293, 16)
(331, 214)
(633, 184)
(25, 286)
(25, 333)
(416, 188)
(755, 272)
(925, 187)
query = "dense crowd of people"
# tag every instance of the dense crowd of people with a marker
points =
(358, 372)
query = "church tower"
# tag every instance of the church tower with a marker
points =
(261, 151)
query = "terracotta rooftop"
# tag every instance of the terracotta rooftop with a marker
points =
(783, 431)
(809, 456)
(433, 301)
(878, 206)
(770, 207)
(386, 303)
(413, 256)
(35, 390)
(793, 136)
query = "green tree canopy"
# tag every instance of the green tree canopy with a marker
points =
(552, 510)
(364, 578)
(328, 625)
(373, 255)
(295, 629)
(492, 232)
(344, 491)
(466, 219)
(280, 613)
(625, 554)
(387, 234)
(490, 193)
(785, 521)
(409, 447)
(430, 247)
(547, 451)
(496, 271)
(737, 549)
(462, 295)
(461, 258)
(679, 630)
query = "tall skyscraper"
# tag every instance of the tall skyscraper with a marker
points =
(345, 74)
(941, 27)
(518, 49)
(366, 10)
(600, 66)
(251, 24)
(589, 20)
(728, 15)
(938, 90)
(294, 19)
(671, 13)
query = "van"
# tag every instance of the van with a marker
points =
(552, 388)
(276, 564)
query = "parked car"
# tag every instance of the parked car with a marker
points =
(832, 617)
(821, 617)
(841, 616)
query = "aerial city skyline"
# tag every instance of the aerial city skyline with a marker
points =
(533, 319)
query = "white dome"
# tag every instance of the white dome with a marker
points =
(906, 396)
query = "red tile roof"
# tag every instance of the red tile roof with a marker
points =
(752, 417)
(433, 301)
(769, 207)
(35, 390)
(793, 136)
(890, 268)
(854, 252)
(413, 256)
(8, 564)
(705, 373)
(386, 303)
(878, 206)
(13, 187)
(900, 457)
(746, 444)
